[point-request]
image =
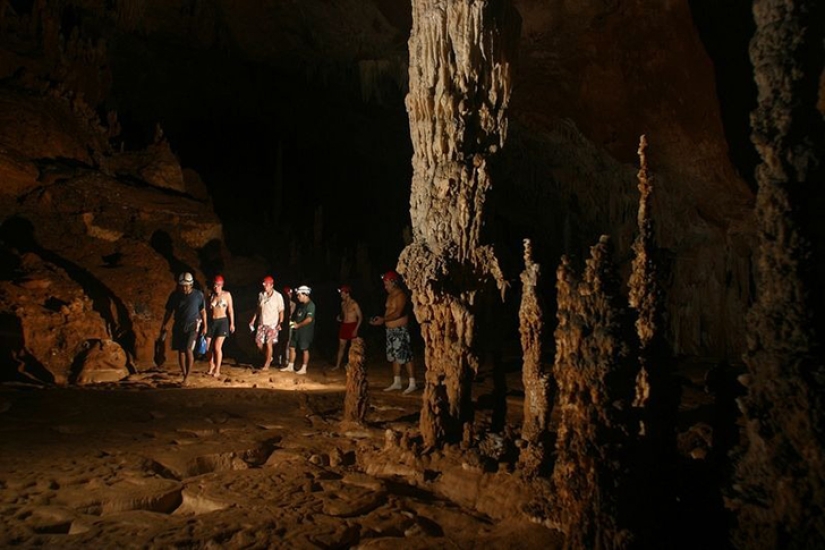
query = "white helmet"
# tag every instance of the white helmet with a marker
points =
(303, 289)
(186, 279)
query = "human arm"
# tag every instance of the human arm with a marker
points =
(393, 310)
(204, 320)
(309, 318)
(230, 312)
(166, 316)
(358, 319)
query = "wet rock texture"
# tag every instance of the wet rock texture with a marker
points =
(461, 57)
(779, 490)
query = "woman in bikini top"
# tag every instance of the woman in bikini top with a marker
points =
(220, 305)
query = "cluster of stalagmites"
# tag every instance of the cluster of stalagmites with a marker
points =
(461, 57)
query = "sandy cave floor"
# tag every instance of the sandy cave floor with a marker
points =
(253, 460)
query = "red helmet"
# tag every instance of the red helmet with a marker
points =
(287, 290)
(268, 280)
(218, 280)
(391, 276)
(345, 288)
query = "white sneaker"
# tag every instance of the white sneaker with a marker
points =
(288, 368)
(394, 386)
(302, 371)
(411, 388)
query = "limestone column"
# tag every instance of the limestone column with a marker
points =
(461, 58)
(537, 396)
(779, 483)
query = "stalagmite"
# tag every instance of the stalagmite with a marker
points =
(536, 382)
(644, 291)
(779, 482)
(657, 395)
(595, 385)
(356, 400)
(461, 55)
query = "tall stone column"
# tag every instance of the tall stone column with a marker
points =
(461, 55)
(780, 478)
(537, 395)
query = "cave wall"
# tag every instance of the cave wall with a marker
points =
(305, 100)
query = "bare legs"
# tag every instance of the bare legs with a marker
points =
(186, 359)
(216, 356)
(267, 349)
(342, 346)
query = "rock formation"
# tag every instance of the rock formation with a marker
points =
(537, 398)
(461, 57)
(644, 294)
(594, 373)
(779, 490)
(91, 237)
(357, 399)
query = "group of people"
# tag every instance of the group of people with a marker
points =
(215, 321)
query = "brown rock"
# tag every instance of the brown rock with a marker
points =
(102, 361)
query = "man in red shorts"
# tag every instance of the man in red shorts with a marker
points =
(350, 319)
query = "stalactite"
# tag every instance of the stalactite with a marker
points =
(461, 57)
(357, 397)
(595, 389)
(779, 486)
(536, 382)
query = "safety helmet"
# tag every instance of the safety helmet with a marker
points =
(345, 288)
(186, 279)
(268, 280)
(218, 280)
(303, 289)
(391, 276)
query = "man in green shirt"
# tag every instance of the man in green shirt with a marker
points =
(302, 330)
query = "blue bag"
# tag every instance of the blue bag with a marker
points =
(200, 346)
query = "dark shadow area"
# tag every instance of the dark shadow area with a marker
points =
(726, 29)
(211, 258)
(9, 264)
(16, 364)
(161, 242)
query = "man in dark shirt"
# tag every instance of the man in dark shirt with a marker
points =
(189, 308)
(302, 330)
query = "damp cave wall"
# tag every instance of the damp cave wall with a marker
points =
(294, 120)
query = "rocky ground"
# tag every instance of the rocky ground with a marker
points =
(252, 460)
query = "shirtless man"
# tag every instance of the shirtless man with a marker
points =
(221, 324)
(350, 319)
(269, 317)
(395, 319)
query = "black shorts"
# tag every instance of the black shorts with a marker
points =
(183, 340)
(218, 327)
